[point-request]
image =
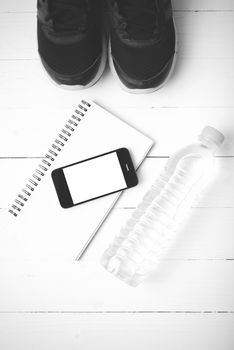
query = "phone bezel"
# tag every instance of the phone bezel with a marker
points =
(62, 188)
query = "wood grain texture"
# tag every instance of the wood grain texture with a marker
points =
(188, 301)
(190, 75)
(183, 285)
(118, 331)
(170, 127)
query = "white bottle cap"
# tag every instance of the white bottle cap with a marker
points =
(212, 136)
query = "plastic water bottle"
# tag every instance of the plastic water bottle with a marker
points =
(137, 248)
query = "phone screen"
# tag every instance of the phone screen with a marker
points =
(94, 177)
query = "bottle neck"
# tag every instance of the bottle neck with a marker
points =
(212, 146)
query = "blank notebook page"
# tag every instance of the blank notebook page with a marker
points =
(44, 230)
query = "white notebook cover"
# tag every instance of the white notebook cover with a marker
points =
(44, 230)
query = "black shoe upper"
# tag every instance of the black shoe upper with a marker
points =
(70, 38)
(142, 40)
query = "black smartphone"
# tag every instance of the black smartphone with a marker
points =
(95, 177)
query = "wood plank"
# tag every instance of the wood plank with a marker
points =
(217, 194)
(181, 5)
(184, 88)
(14, 173)
(15, 42)
(196, 39)
(170, 128)
(197, 277)
(85, 286)
(18, 6)
(193, 40)
(174, 127)
(118, 331)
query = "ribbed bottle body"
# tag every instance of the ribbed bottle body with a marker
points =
(144, 238)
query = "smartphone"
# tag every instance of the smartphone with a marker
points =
(95, 177)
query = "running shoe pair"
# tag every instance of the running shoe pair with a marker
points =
(75, 35)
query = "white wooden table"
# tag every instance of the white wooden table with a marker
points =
(189, 303)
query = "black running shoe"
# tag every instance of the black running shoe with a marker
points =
(70, 41)
(142, 43)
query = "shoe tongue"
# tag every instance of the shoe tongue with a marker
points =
(139, 15)
(68, 15)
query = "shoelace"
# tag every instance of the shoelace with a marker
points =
(68, 15)
(140, 16)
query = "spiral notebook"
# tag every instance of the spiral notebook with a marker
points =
(37, 227)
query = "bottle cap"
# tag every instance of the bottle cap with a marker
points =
(211, 135)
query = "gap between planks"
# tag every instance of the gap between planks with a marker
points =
(119, 312)
(150, 157)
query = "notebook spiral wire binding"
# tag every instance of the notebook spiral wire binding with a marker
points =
(54, 150)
